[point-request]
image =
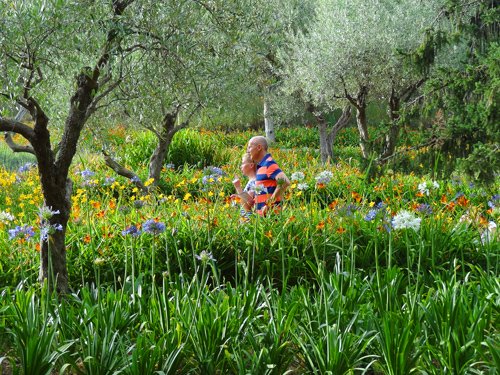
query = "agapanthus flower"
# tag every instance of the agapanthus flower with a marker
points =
(45, 213)
(131, 230)
(139, 203)
(297, 176)
(302, 186)
(425, 187)
(372, 214)
(135, 179)
(109, 181)
(424, 208)
(214, 171)
(49, 229)
(489, 234)
(26, 167)
(6, 216)
(205, 256)
(86, 174)
(324, 177)
(406, 219)
(26, 232)
(153, 227)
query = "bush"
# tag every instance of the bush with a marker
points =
(196, 148)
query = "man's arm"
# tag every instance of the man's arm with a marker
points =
(282, 184)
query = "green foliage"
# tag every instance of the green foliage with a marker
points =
(482, 164)
(195, 148)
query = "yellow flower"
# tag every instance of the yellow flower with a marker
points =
(135, 190)
(371, 204)
(186, 197)
(222, 194)
(210, 194)
(193, 180)
(149, 182)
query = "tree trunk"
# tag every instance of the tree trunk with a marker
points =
(327, 138)
(268, 124)
(164, 139)
(360, 103)
(392, 136)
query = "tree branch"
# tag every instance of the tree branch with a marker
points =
(122, 171)
(16, 147)
(17, 127)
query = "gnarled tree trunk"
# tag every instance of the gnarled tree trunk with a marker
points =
(327, 136)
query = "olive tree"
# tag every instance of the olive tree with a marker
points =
(353, 52)
(51, 50)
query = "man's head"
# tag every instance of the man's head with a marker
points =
(257, 148)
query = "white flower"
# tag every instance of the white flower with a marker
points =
(425, 187)
(46, 213)
(297, 176)
(422, 188)
(489, 234)
(302, 186)
(6, 216)
(406, 219)
(324, 177)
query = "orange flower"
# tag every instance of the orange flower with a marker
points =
(444, 200)
(96, 204)
(321, 186)
(341, 230)
(269, 234)
(290, 220)
(101, 214)
(320, 225)
(37, 247)
(450, 206)
(420, 194)
(333, 205)
(112, 204)
(86, 239)
(462, 201)
(356, 196)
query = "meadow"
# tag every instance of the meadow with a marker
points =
(396, 274)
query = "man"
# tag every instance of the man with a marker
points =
(271, 182)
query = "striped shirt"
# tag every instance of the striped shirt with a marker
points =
(265, 182)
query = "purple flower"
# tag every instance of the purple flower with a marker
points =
(425, 208)
(25, 231)
(109, 180)
(214, 171)
(135, 179)
(139, 203)
(204, 257)
(49, 229)
(86, 174)
(26, 167)
(131, 230)
(153, 227)
(371, 215)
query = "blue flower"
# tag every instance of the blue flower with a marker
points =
(425, 208)
(26, 167)
(25, 232)
(371, 215)
(131, 230)
(86, 174)
(153, 227)
(214, 171)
